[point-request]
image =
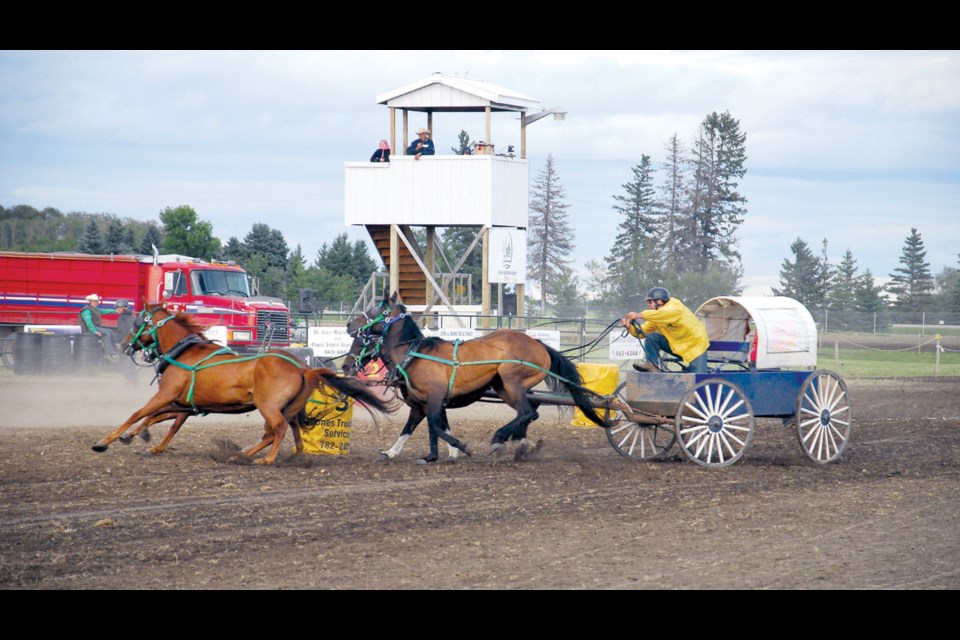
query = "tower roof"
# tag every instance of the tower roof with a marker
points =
(441, 92)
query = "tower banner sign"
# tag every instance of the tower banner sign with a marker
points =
(507, 262)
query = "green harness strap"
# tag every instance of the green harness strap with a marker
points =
(455, 363)
(200, 366)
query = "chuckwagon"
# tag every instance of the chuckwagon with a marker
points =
(762, 358)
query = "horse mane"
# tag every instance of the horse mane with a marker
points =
(188, 321)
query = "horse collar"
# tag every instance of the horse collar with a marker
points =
(177, 350)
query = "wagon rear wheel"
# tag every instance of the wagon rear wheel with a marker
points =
(642, 442)
(714, 423)
(823, 416)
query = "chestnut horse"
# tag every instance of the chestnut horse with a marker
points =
(438, 374)
(198, 376)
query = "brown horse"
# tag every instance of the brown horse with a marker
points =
(435, 374)
(198, 376)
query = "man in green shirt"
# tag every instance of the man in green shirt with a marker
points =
(92, 322)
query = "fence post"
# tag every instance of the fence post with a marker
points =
(938, 347)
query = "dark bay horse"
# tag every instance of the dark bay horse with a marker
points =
(435, 374)
(198, 376)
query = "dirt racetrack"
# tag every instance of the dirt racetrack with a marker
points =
(575, 515)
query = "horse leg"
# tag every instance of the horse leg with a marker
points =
(516, 429)
(295, 426)
(273, 432)
(155, 404)
(413, 420)
(141, 429)
(440, 428)
(161, 446)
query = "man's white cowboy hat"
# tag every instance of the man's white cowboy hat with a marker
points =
(93, 298)
(422, 130)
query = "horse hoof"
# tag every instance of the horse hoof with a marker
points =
(467, 449)
(125, 439)
(426, 460)
(495, 447)
(521, 452)
(99, 448)
(383, 457)
(145, 435)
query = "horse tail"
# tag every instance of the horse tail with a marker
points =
(356, 389)
(569, 377)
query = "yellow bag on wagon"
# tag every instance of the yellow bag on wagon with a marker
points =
(333, 412)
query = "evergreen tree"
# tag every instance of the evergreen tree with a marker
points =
(912, 283)
(151, 238)
(185, 234)
(452, 245)
(338, 258)
(639, 212)
(953, 293)
(296, 276)
(716, 207)
(234, 250)
(362, 266)
(465, 146)
(91, 241)
(841, 296)
(868, 295)
(129, 239)
(803, 278)
(549, 239)
(114, 242)
(676, 232)
(269, 243)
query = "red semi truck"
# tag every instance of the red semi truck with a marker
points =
(46, 291)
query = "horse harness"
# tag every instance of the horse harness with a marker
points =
(455, 363)
(177, 350)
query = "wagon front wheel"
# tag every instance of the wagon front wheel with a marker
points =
(823, 416)
(714, 423)
(641, 442)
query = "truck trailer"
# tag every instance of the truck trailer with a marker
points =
(45, 292)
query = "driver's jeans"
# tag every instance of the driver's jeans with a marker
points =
(108, 341)
(657, 342)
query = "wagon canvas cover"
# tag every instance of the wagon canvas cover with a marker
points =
(785, 331)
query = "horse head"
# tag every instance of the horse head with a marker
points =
(158, 327)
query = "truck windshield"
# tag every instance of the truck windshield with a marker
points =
(226, 283)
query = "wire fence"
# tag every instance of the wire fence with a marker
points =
(915, 348)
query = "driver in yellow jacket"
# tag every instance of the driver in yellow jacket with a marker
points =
(671, 327)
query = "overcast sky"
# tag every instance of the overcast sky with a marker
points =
(857, 147)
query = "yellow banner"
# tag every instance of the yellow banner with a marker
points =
(333, 413)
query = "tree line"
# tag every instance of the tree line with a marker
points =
(336, 274)
(678, 229)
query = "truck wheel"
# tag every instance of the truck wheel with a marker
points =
(6, 350)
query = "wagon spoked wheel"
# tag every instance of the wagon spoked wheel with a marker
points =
(637, 441)
(823, 416)
(714, 423)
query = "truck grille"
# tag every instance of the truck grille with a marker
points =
(279, 323)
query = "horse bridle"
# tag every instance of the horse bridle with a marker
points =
(145, 325)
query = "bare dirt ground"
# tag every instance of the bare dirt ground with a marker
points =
(576, 515)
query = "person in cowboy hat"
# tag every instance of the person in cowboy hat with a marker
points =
(91, 321)
(422, 145)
